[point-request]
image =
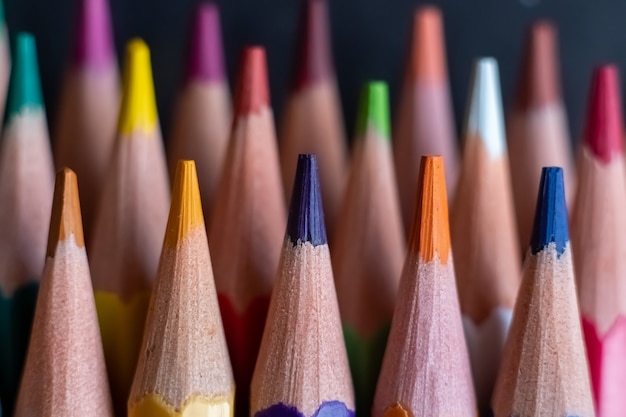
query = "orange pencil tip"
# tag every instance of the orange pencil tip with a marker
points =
(427, 55)
(66, 219)
(252, 85)
(186, 209)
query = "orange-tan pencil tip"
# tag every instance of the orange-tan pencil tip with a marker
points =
(186, 209)
(431, 231)
(66, 219)
(428, 59)
(252, 85)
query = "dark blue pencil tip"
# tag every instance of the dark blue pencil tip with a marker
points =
(306, 217)
(551, 213)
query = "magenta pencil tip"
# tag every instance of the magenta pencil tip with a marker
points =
(313, 54)
(93, 38)
(206, 60)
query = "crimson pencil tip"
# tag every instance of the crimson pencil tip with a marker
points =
(252, 86)
(206, 58)
(93, 40)
(603, 131)
(313, 54)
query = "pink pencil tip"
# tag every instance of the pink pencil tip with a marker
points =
(313, 54)
(93, 39)
(206, 59)
(604, 129)
(252, 85)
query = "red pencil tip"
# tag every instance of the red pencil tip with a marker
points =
(603, 131)
(313, 55)
(427, 56)
(539, 80)
(252, 86)
(93, 41)
(206, 60)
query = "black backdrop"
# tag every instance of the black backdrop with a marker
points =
(369, 40)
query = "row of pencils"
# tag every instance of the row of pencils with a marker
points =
(157, 325)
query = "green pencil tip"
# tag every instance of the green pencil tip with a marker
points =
(2, 22)
(24, 87)
(374, 109)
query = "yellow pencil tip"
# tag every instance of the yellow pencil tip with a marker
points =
(186, 209)
(138, 111)
(66, 219)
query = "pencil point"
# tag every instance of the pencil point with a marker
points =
(186, 211)
(66, 218)
(313, 54)
(431, 231)
(24, 86)
(138, 108)
(374, 109)
(252, 85)
(206, 58)
(428, 59)
(604, 129)
(551, 214)
(484, 119)
(539, 84)
(93, 41)
(306, 217)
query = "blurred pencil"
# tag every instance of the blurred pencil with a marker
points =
(426, 369)
(183, 367)
(64, 372)
(132, 216)
(424, 123)
(302, 367)
(543, 371)
(202, 116)
(85, 128)
(537, 127)
(599, 243)
(26, 188)
(248, 220)
(484, 236)
(312, 120)
(369, 245)
(5, 61)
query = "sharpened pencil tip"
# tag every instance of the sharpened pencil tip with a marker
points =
(206, 58)
(24, 86)
(186, 209)
(428, 61)
(252, 85)
(93, 41)
(374, 109)
(306, 216)
(66, 219)
(551, 213)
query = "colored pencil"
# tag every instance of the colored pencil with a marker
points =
(5, 62)
(484, 234)
(312, 120)
(599, 244)
(543, 371)
(132, 216)
(84, 134)
(426, 369)
(424, 123)
(183, 368)
(64, 372)
(248, 220)
(369, 246)
(537, 127)
(302, 368)
(26, 188)
(203, 116)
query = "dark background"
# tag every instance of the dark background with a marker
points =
(369, 41)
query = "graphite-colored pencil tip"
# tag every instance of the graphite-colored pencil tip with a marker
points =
(306, 216)
(431, 231)
(66, 219)
(539, 82)
(374, 109)
(604, 129)
(484, 116)
(252, 85)
(551, 213)
(138, 109)
(186, 209)
(24, 86)
(93, 40)
(313, 54)
(427, 55)
(206, 58)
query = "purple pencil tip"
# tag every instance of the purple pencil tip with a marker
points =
(93, 39)
(206, 60)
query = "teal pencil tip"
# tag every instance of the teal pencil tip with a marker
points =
(24, 87)
(374, 109)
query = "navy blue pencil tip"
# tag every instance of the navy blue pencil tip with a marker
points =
(551, 213)
(306, 216)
